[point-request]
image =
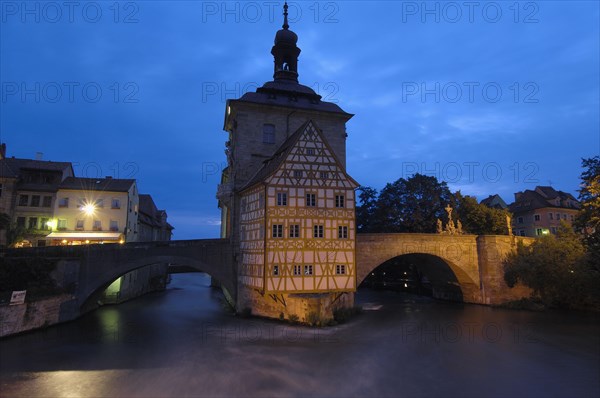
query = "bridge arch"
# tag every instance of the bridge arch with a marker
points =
(421, 272)
(459, 253)
(108, 275)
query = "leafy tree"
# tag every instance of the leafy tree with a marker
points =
(588, 219)
(554, 267)
(4, 221)
(365, 212)
(31, 274)
(480, 219)
(14, 235)
(412, 205)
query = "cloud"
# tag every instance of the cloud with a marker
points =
(487, 122)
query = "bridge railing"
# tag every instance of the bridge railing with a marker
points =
(75, 251)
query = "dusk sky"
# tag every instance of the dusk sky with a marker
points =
(493, 97)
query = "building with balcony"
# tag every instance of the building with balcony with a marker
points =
(540, 211)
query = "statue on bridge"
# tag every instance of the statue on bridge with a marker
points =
(451, 228)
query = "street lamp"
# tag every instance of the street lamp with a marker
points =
(89, 209)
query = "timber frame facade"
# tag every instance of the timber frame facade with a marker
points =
(297, 220)
(287, 203)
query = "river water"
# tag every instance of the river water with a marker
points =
(181, 343)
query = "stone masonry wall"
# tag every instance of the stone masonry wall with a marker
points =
(20, 318)
(300, 305)
(493, 249)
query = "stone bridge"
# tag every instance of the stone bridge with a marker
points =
(476, 261)
(94, 267)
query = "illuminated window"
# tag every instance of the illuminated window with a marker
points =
(318, 231)
(311, 199)
(294, 231)
(340, 269)
(281, 199)
(340, 201)
(308, 270)
(277, 231)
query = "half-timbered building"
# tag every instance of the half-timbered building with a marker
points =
(287, 203)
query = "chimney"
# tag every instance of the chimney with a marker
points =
(3, 151)
(518, 196)
(39, 155)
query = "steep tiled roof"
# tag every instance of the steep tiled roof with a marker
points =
(97, 184)
(272, 164)
(494, 201)
(543, 197)
(290, 94)
(11, 167)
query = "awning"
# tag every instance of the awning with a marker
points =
(86, 235)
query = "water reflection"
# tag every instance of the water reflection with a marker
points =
(181, 343)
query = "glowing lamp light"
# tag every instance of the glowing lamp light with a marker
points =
(89, 209)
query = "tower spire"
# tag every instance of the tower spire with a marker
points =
(285, 16)
(285, 51)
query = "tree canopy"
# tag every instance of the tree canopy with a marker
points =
(555, 268)
(416, 203)
(588, 219)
